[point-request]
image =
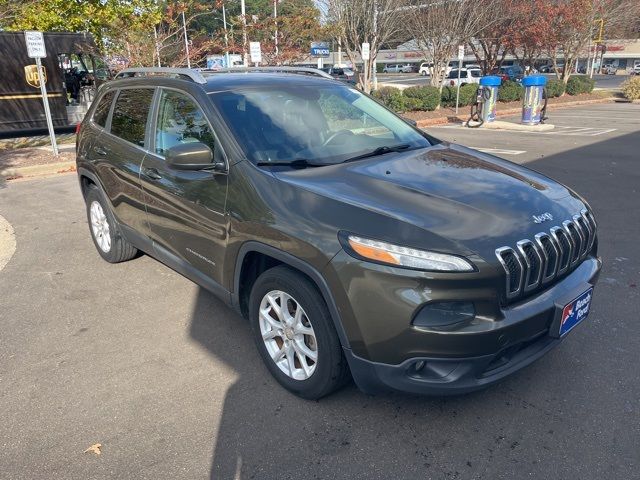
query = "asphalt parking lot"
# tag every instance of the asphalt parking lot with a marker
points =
(167, 379)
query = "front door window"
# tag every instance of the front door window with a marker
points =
(180, 120)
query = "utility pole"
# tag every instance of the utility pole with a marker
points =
(186, 40)
(275, 20)
(226, 37)
(244, 34)
(375, 39)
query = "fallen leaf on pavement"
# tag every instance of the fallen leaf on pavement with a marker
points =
(95, 448)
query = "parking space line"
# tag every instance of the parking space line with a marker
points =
(578, 131)
(499, 151)
(563, 130)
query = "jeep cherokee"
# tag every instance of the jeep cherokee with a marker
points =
(354, 243)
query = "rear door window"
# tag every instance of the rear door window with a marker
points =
(130, 114)
(102, 110)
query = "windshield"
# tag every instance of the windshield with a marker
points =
(323, 125)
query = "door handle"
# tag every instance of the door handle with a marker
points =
(151, 173)
(100, 151)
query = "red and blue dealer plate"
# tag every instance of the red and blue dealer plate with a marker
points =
(575, 312)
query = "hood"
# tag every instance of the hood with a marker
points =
(475, 200)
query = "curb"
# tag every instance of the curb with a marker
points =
(429, 122)
(13, 173)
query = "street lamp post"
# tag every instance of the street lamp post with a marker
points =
(155, 36)
(226, 37)
(275, 21)
(375, 36)
(244, 34)
(186, 40)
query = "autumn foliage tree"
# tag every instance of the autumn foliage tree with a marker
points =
(296, 26)
(532, 29)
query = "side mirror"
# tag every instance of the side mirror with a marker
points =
(191, 156)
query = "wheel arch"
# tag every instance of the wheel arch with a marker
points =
(271, 256)
(86, 179)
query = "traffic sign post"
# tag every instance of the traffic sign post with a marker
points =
(255, 52)
(460, 58)
(37, 50)
(365, 59)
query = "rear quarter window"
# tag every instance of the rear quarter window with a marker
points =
(130, 114)
(102, 110)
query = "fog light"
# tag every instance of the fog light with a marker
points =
(444, 314)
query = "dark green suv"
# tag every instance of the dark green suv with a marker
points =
(354, 243)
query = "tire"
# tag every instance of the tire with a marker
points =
(104, 230)
(306, 378)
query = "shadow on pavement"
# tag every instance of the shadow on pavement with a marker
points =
(559, 415)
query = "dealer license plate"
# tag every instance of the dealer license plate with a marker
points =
(575, 312)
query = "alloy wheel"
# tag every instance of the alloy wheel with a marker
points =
(288, 335)
(100, 226)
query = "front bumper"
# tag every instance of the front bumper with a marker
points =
(463, 360)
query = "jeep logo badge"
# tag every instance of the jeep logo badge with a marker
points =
(543, 217)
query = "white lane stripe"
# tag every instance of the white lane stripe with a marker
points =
(560, 130)
(499, 151)
(556, 115)
(7, 242)
(592, 132)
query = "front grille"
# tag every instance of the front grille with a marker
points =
(535, 263)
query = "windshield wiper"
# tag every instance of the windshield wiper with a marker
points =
(297, 163)
(379, 151)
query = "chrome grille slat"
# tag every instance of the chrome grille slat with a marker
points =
(551, 256)
(505, 254)
(591, 225)
(532, 264)
(575, 239)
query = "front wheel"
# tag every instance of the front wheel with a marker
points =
(294, 334)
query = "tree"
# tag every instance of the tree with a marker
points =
(297, 24)
(376, 22)
(573, 23)
(439, 27)
(527, 35)
(102, 18)
(489, 44)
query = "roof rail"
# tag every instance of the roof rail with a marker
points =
(301, 70)
(193, 75)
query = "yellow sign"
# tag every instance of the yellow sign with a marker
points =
(31, 75)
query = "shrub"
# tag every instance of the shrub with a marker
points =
(427, 98)
(631, 88)
(409, 104)
(391, 98)
(578, 84)
(510, 91)
(468, 95)
(555, 88)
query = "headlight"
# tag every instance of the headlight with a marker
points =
(391, 254)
